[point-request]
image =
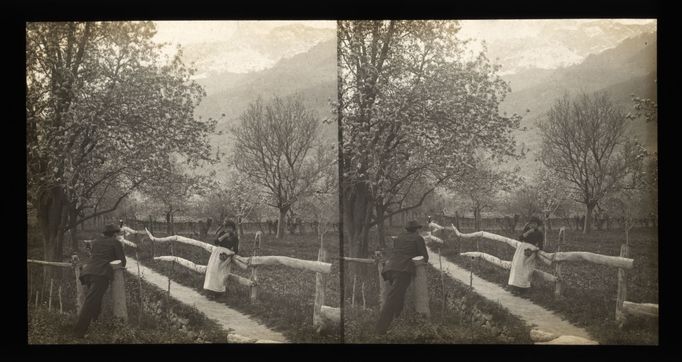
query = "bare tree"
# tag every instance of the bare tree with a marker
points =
(584, 141)
(276, 148)
(480, 186)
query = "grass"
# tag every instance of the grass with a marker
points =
(52, 327)
(285, 295)
(589, 295)
(450, 325)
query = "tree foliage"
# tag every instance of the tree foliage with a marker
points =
(413, 110)
(105, 111)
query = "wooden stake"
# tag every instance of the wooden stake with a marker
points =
(362, 288)
(37, 296)
(139, 283)
(622, 289)
(382, 283)
(254, 270)
(442, 281)
(352, 299)
(61, 310)
(558, 286)
(169, 283)
(49, 302)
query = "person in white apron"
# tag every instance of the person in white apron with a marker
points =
(523, 263)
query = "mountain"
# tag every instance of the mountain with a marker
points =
(252, 48)
(311, 74)
(550, 44)
(625, 70)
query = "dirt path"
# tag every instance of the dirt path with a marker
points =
(533, 314)
(245, 328)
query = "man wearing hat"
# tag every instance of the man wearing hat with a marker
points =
(398, 272)
(227, 236)
(97, 273)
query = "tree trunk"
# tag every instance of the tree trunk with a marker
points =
(281, 223)
(73, 218)
(477, 219)
(52, 219)
(589, 208)
(356, 211)
(381, 234)
(240, 228)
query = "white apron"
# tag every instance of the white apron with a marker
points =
(217, 270)
(522, 266)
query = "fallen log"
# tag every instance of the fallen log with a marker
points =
(181, 239)
(641, 309)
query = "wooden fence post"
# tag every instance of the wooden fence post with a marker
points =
(382, 283)
(421, 291)
(622, 288)
(118, 293)
(558, 286)
(80, 293)
(254, 270)
(49, 301)
(352, 298)
(61, 310)
(320, 284)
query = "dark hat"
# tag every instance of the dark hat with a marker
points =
(535, 219)
(111, 229)
(413, 225)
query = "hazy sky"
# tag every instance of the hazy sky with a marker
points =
(187, 32)
(517, 43)
(506, 29)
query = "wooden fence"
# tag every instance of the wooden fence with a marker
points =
(418, 289)
(323, 316)
(118, 298)
(508, 223)
(621, 262)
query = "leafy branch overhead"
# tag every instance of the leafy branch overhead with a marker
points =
(107, 113)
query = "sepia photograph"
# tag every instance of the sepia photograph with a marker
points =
(182, 182)
(451, 182)
(499, 181)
